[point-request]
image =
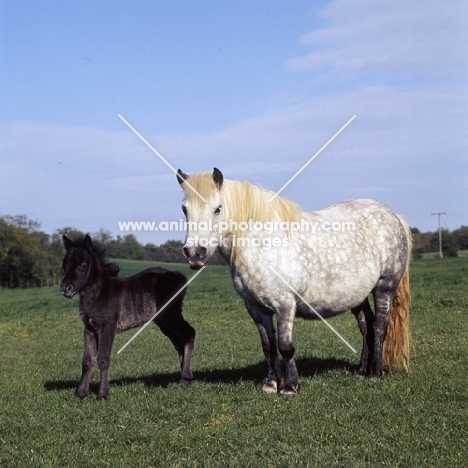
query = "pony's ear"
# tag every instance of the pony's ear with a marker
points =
(67, 243)
(88, 243)
(218, 177)
(181, 176)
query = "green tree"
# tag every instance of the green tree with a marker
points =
(126, 247)
(25, 259)
(460, 237)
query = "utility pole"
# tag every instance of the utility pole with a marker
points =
(441, 255)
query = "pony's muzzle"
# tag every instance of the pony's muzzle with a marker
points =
(196, 256)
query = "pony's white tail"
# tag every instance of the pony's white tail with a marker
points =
(396, 346)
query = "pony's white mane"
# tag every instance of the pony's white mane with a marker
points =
(200, 183)
(242, 201)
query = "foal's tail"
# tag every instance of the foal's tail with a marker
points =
(396, 346)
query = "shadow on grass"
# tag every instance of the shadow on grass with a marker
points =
(255, 373)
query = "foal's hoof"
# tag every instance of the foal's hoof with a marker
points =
(270, 386)
(185, 382)
(290, 390)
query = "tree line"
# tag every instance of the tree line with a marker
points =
(30, 257)
(452, 242)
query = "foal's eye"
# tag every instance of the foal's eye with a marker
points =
(84, 267)
(218, 210)
(184, 210)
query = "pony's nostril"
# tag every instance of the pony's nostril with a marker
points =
(202, 252)
(186, 252)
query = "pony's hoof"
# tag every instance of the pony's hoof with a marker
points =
(361, 375)
(376, 374)
(290, 390)
(185, 382)
(79, 396)
(270, 386)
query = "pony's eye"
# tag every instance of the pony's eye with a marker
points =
(218, 210)
(84, 267)
(184, 210)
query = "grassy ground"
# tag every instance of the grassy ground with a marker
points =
(223, 418)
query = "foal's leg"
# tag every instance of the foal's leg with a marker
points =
(182, 336)
(106, 335)
(365, 319)
(87, 363)
(264, 321)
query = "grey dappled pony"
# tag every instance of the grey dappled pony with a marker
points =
(330, 259)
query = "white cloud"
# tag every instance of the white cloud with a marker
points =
(388, 38)
(395, 150)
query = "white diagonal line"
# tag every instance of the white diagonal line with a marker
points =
(160, 310)
(311, 308)
(312, 158)
(157, 153)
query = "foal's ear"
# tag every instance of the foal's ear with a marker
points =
(88, 243)
(181, 176)
(67, 243)
(218, 177)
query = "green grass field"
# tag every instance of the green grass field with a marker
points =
(223, 419)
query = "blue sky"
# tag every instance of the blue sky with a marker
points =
(254, 88)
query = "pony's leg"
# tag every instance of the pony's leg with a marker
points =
(383, 297)
(106, 335)
(365, 319)
(182, 336)
(87, 363)
(264, 321)
(285, 319)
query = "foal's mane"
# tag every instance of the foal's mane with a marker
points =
(243, 201)
(99, 252)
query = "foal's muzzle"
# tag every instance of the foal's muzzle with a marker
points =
(197, 256)
(67, 290)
